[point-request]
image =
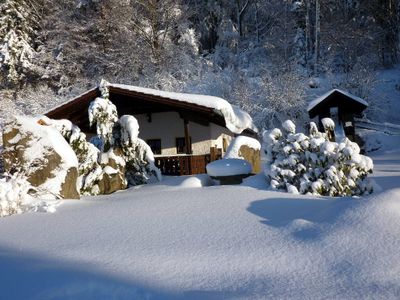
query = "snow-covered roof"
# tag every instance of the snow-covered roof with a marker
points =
(211, 108)
(320, 99)
(236, 119)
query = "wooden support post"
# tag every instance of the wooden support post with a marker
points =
(187, 138)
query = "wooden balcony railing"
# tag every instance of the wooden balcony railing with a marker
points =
(182, 164)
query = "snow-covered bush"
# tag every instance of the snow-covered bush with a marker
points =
(128, 160)
(313, 164)
(119, 138)
(138, 155)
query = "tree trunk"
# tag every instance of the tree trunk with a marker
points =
(317, 31)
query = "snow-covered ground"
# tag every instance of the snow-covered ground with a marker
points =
(177, 239)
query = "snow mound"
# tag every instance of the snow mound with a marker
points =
(16, 198)
(195, 181)
(228, 167)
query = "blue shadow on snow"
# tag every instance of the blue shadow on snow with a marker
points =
(28, 276)
(301, 213)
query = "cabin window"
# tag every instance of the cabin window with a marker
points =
(155, 145)
(181, 145)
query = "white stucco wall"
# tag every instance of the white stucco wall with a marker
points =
(218, 134)
(168, 126)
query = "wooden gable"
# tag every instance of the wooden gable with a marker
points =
(345, 102)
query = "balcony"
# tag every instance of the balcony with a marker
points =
(184, 164)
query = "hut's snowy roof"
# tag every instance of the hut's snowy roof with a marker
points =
(320, 99)
(236, 119)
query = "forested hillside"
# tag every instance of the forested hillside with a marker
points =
(265, 56)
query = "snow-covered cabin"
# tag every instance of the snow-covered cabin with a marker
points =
(168, 122)
(341, 106)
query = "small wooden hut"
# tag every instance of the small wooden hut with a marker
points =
(340, 106)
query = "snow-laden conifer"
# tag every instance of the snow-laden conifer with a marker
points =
(314, 164)
(17, 27)
(103, 113)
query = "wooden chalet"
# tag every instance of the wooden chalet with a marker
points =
(341, 106)
(184, 133)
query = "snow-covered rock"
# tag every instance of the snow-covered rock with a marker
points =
(112, 178)
(99, 172)
(86, 152)
(247, 148)
(233, 150)
(40, 153)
